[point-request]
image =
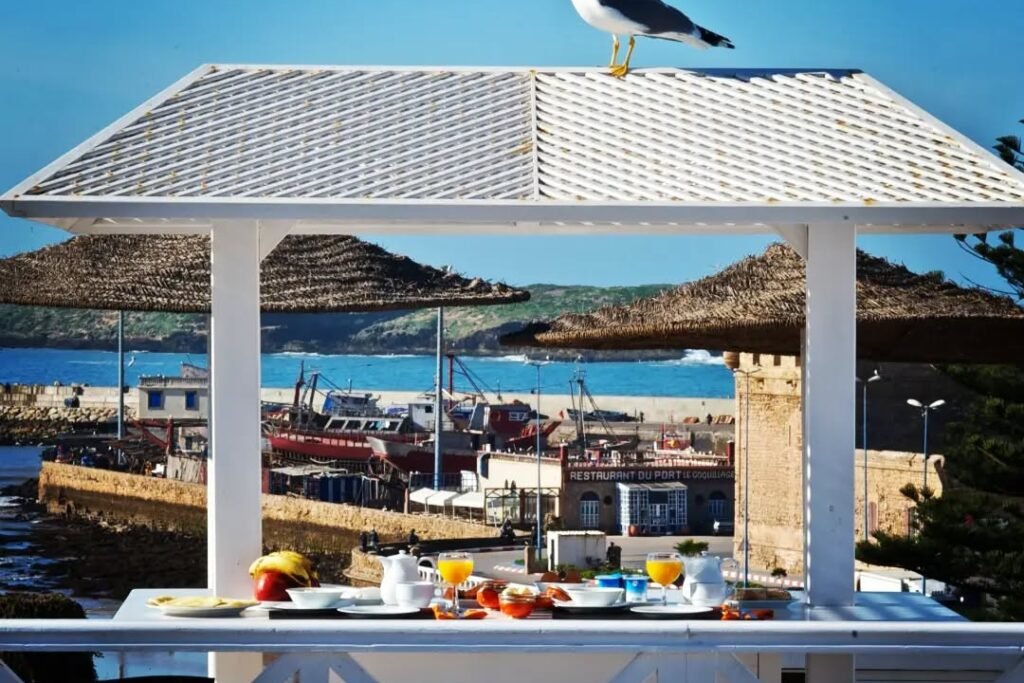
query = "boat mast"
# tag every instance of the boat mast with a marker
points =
(581, 416)
(451, 376)
(298, 384)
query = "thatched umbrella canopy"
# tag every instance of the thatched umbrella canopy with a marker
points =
(304, 274)
(757, 305)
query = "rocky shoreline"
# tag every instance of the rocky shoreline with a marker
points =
(88, 556)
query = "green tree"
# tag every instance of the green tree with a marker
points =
(970, 537)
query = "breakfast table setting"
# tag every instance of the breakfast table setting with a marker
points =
(286, 587)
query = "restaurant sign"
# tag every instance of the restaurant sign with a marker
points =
(645, 475)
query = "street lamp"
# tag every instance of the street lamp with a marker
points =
(925, 409)
(538, 364)
(746, 476)
(864, 440)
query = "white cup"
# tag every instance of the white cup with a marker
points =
(414, 594)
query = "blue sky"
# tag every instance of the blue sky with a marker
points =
(69, 68)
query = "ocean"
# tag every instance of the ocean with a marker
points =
(693, 374)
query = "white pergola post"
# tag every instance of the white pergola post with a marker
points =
(829, 369)
(234, 520)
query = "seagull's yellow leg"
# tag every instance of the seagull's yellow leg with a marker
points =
(615, 51)
(621, 70)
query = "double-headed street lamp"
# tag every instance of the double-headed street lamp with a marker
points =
(746, 476)
(864, 440)
(925, 409)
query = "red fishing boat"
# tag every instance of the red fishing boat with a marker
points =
(298, 432)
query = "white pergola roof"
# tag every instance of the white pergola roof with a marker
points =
(549, 150)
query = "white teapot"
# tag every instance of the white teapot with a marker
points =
(704, 583)
(400, 568)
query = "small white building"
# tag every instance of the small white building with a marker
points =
(174, 397)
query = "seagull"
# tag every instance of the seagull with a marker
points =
(651, 18)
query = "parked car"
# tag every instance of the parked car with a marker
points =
(722, 527)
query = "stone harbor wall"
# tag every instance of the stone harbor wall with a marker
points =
(776, 461)
(29, 424)
(68, 488)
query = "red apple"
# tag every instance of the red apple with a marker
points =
(272, 586)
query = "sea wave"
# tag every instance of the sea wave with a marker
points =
(517, 358)
(695, 357)
(9, 501)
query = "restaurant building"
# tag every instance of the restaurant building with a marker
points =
(655, 497)
(620, 493)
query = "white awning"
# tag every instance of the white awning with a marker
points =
(420, 495)
(473, 499)
(439, 498)
(653, 486)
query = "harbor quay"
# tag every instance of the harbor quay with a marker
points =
(667, 409)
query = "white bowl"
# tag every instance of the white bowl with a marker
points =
(318, 597)
(363, 596)
(595, 597)
(544, 585)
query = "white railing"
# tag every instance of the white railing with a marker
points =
(498, 650)
(430, 574)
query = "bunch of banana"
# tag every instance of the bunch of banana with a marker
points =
(279, 571)
(288, 562)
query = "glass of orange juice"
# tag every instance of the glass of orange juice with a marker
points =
(664, 568)
(455, 568)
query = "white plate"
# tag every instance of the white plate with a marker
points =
(222, 611)
(378, 611)
(672, 610)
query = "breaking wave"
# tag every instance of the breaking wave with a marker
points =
(695, 357)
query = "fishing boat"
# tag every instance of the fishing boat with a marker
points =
(502, 427)
(356, 433)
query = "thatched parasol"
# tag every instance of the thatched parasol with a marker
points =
(304, 274)
(758, 303)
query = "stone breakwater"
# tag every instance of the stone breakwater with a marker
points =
(287, 521)
(38, 424)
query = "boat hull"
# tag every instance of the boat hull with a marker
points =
(402, 452)
(412, 457)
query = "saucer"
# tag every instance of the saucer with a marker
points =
(677, 611)
(570, 608)
(379, 611)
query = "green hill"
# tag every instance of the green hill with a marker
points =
(470, 330)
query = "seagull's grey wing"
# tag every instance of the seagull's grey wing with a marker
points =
(654, 14)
